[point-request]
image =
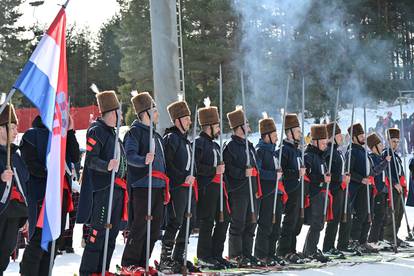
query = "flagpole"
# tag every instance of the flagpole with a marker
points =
(53, 247)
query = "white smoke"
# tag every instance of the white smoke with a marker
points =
(289, 37)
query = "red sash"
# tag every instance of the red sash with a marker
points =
(195, 187)
(329, 211)
(281, 188)
(372, 182)
(256, 174)
(403, 184)
(16, 195)
(343, 184)
(216, 180)
(70, 207)
(163, 176)
(123, 185)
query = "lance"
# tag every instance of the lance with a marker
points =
(149, 211)
(394, 228)
(115, 155)
(221, 214)
(325, 206)
(348, 173)
(248, 165)
(367, 166)
(302, 140)
(279, 168)
(190, 194)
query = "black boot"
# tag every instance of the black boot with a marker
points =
(226, 263)
(320, 257)
(166, 262)
(210, 263)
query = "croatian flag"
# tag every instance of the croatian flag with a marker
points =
(44, 82)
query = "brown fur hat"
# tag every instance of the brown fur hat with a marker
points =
(107, 101)
(4, 116)
(266, 126)
(357, 129)
(330, 127)
(373, 140)
(236, 118)
(178, 110)
(208, 116)
(291, 121)
(394, 133)
(142, 102)
(319, 132)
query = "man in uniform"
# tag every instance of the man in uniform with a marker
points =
(33, 147)
(292, 172)
(213, 232)
(399, 186)
(268, 231)
(139, 156)
(318, 178)
(94, 198)
(243, 224)
(337, 188)
(357, 191)
(379, 164)
(13, 188)
(178, 162)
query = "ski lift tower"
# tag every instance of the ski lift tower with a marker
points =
(166, 55)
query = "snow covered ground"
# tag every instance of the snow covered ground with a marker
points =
(68, 264)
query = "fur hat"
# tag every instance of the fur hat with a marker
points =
(373, 140)
(107, 101)
(266, 126)
(236, 118)
(394, 133)
(142, 102)
(330, 127)
(319, 132)
(4, 116)
(178, 110)
(357, 129)
(208, 116)
(291, 121)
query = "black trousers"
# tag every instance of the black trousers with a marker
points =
(177, 210)
(399, 213)
(291, 225)
(316, 224)
(136, 246)
(94, 250)
(212, 233)
(242, 229)
(267, 232)
(360, 215)
(10, 222)
(378, 217)
(333, 225)
(345, 227)
(35, 260)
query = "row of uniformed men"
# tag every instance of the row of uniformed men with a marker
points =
(171, 161)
